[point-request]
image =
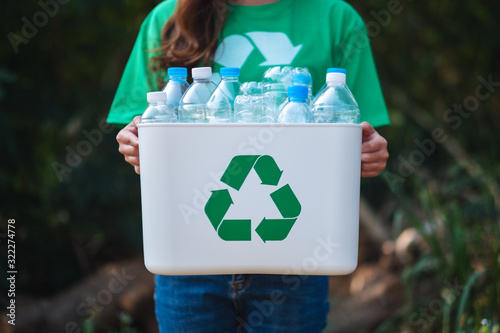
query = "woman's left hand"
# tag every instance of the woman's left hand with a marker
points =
(374, 153)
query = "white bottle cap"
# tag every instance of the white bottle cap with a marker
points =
(157, 96)
(335, 78)
(201, 72)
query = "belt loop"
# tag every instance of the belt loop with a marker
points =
(240, 281)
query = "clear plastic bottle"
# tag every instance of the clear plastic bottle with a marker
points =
(296, 109)
(335, 102)
(221, 103)
(176, 86)
(158, 111)
(229, 84)
(193, 104)
(251, 88)
(275, 82)
(252, 106)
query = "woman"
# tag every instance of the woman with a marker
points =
(253, 35)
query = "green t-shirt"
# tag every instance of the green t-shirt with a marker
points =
(317, 34)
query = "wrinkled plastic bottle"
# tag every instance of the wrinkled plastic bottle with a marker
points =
(275, 82)
(158, 111)
(296, 109)
(221, 103)
(252, 106)
(193, 104)
(251, 88)
(335, 102)
(176, 86)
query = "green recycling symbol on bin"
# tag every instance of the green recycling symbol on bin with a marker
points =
(241, 230)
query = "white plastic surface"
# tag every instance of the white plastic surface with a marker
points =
(182, 163)
(201, 72)
(335, 78)
(156, 96)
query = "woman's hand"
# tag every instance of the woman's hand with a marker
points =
(374, 153)
(129, 143)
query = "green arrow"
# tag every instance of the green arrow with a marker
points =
(286, 201)
(267, 170)
(238, 170)
(274, 230)
(235, 230)
(217, 206)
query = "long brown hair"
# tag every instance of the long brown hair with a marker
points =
(190, 35)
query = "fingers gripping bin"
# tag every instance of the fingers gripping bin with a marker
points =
(234, 199)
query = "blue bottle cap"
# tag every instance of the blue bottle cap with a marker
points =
(298, 92)
(301, 78)
(229, 71)
(178, 71)
(336, 70)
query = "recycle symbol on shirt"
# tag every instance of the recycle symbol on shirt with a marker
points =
(269, 229)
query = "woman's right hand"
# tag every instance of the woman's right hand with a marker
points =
(128, 141)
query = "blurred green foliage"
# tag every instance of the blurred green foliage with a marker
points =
(59, 84)
(430, 56)
(434, 59)
(125, 319)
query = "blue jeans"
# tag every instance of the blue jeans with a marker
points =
(241, 303)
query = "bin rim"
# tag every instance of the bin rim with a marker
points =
(268, 125)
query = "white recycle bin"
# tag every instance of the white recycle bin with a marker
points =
(250, 198)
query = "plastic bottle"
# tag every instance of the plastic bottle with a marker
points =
(275, 82)
(176, 86)
(193, 104)
(221, 103)
(252, 106)
(251, 88)
(304, 80)
(230, 84)
(335, 102)
(158, 111)
(296, 109)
